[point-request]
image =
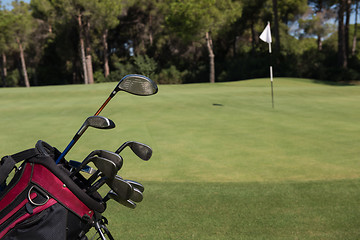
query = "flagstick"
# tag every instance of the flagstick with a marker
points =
(266, 37)
(271, 79)
(272, 89)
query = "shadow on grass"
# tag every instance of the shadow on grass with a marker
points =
(337, 83)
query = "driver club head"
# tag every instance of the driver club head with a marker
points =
(137, 84)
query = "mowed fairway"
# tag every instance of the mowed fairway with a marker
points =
(226, 165)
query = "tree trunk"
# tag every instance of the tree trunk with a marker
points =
(82, 50)
(89, 69)
(88, 55)
(75, 75)
(353, 50)
(106, 57)
(150, 30)
(3, 69)
(23, 65)
(319, 42)
(347, 24)
(211, 57)
(50, 29)
(342, 60)
(253, 37)
(319, 11)
(276, 27)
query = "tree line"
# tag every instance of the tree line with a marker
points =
(48, 42)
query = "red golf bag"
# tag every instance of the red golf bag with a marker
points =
(40, 201)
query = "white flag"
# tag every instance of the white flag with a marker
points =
(266, 34)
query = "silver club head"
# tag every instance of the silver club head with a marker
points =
(136, 185)
(114, 196)
(96, 122)
(107, 167)
(137, 84)
(123, 189)
(137, 196)
(142, 150)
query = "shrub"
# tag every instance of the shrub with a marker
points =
(170, 76)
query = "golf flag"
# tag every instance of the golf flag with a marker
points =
(266, 34)
(266, 37)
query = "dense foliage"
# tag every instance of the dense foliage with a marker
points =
(47, 42)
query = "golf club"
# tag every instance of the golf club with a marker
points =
(114, 196)
(102, 154)
(99, 224)
(136, 185)
(134, 84)
(122, 188)
(107, 169)
(93, 121)
(87, 169)
(133, 183)
(143, 151)
(109, 156)
(136, 196)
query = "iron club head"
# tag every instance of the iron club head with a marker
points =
(122, 188)
(143, 151)
(114, 196)
(136, 185)
(116, 159)
(136, 196)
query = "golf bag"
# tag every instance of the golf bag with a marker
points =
(41, 201)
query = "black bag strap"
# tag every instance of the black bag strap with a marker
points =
(8, 163)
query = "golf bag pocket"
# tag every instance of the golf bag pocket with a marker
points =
(42, 202)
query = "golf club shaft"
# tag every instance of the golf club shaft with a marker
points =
(93, 121)
(67, 149)
(77, 136)
(96, 185)
(71, 144)
(98, 229)
(104, 105)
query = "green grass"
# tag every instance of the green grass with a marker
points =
(225, 164)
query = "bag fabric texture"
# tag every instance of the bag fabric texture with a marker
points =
(41, 201)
